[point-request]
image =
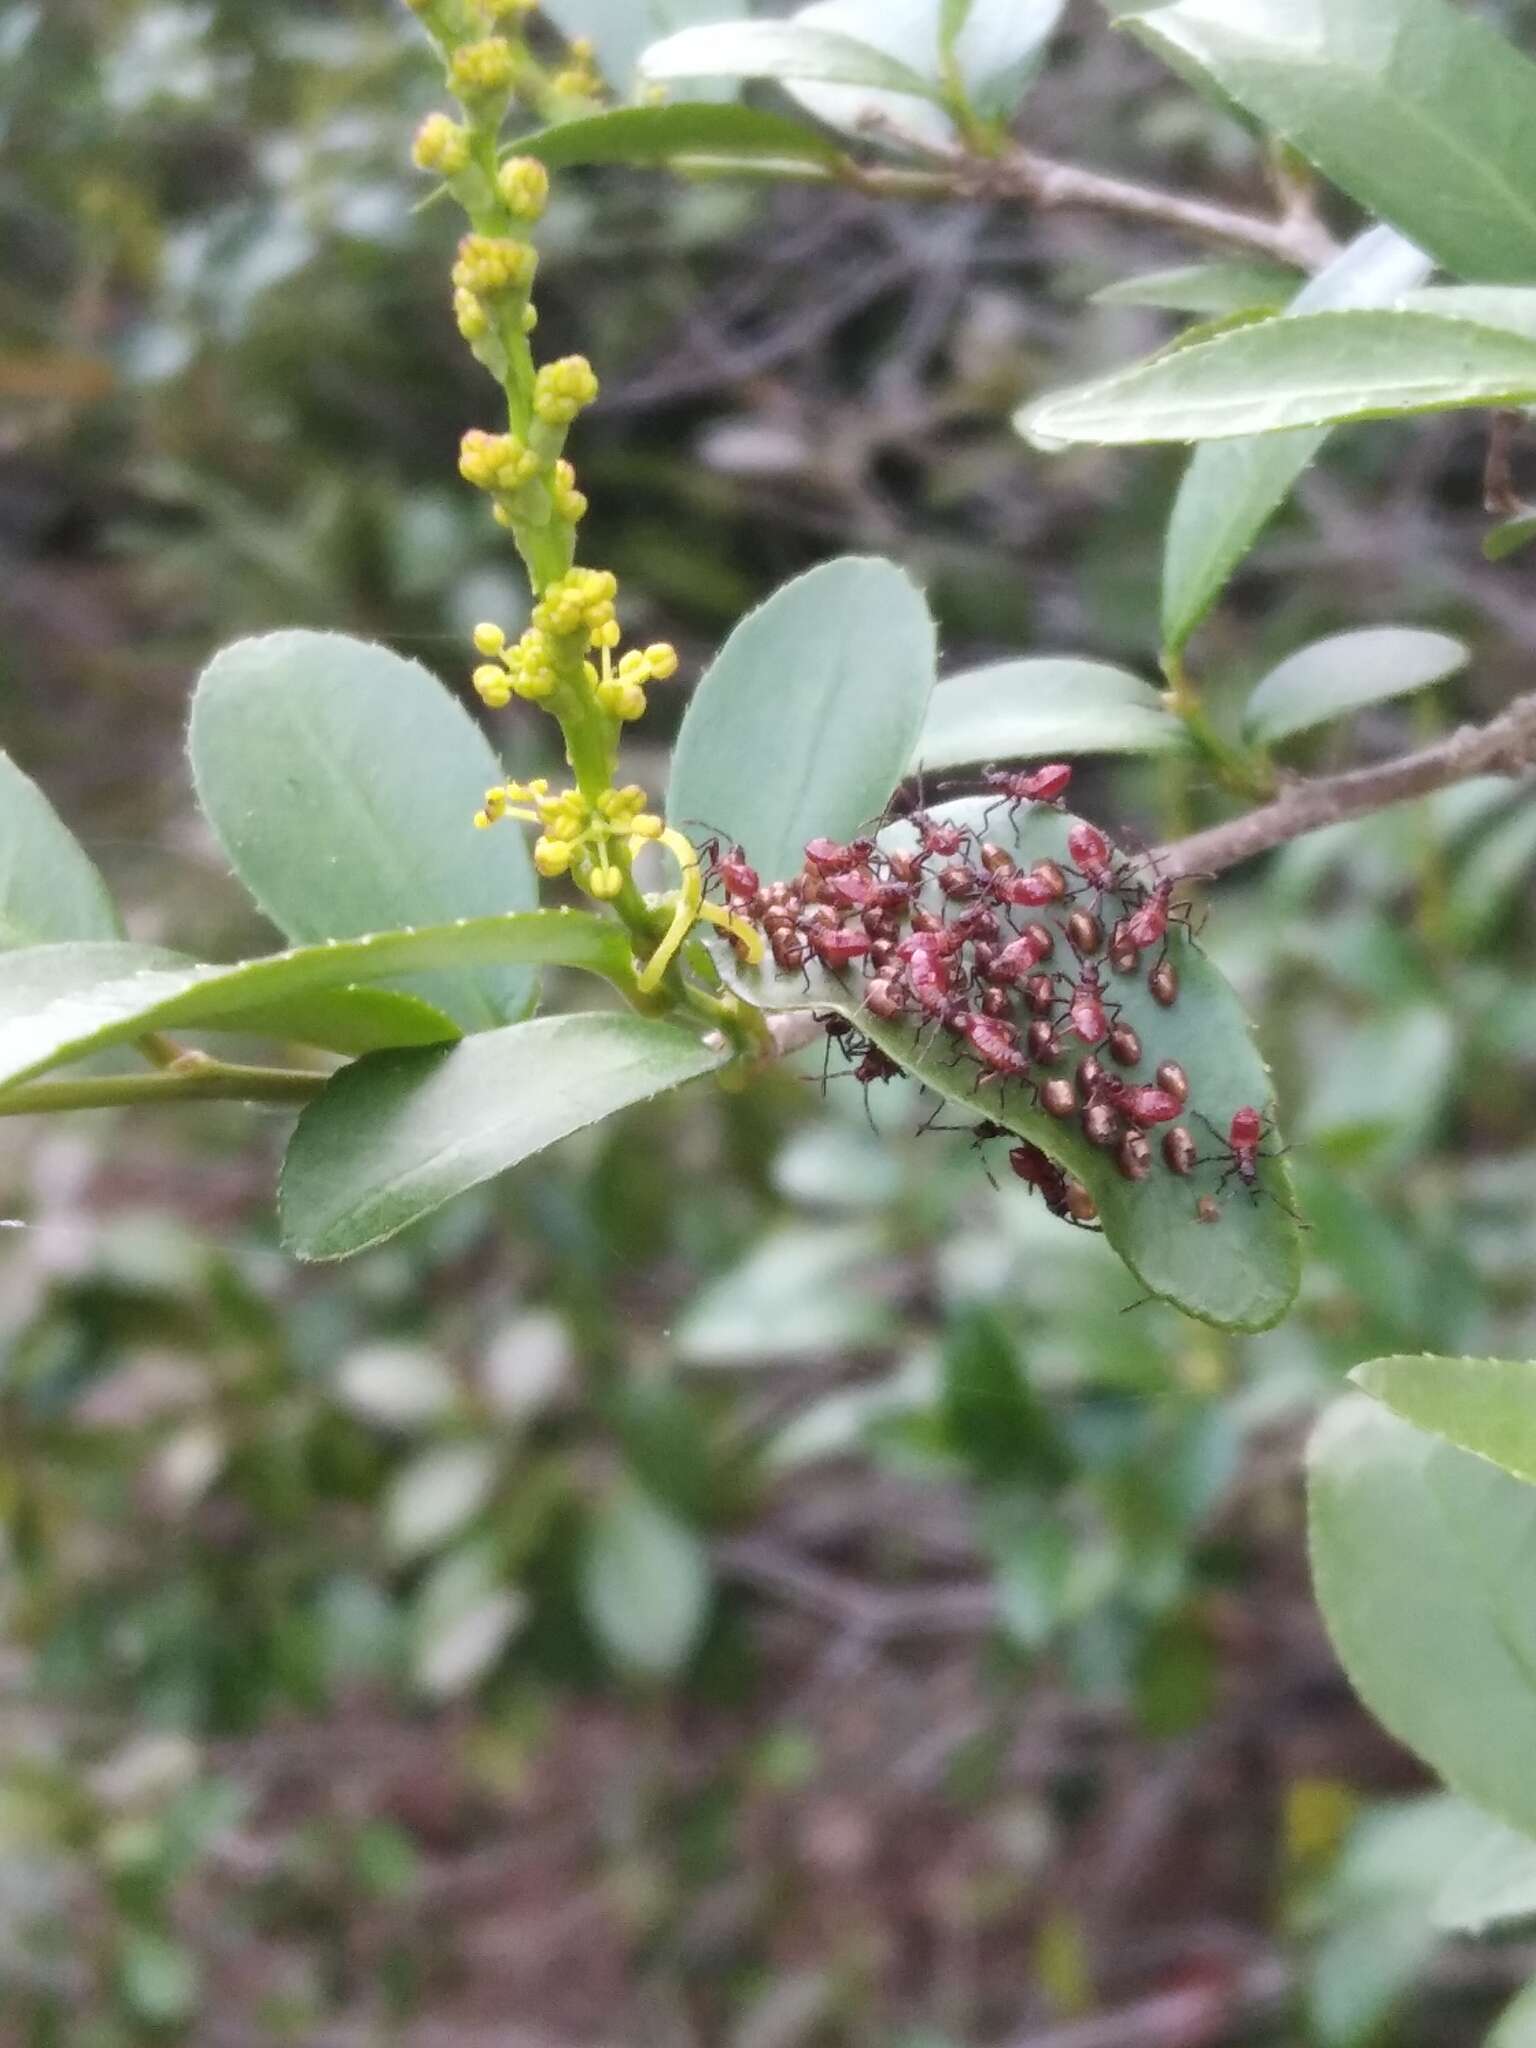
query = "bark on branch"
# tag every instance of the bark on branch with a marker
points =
(1044, 184)
(1506, 746)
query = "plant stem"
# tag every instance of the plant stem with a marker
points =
(1507, 746)
(196, 1077)
(1242, 773)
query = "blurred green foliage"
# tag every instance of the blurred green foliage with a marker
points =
(753, 1581)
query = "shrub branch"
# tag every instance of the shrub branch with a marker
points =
(1506, 746)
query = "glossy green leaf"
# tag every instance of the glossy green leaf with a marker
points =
(620, 29)
(1232, 489)
(59, 1003)
(1422, 1560)
(397, 1135)
(645, 1584)
(1234, 287)
(1493, 1883)
(49, 888)
(1340, 675)
(342, 781)
(1309, 370)
(807, 719)
(1483, 1405)
(1050, 705)
(781, 50)
(1240, 1272)
(1415, 108)
(651, 135)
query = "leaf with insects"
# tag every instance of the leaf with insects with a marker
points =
(1240, 1271)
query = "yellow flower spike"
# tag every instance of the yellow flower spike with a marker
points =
(605, 883)
(489, 639)
(690, 898)
(747, 936)
(495, 802)
(482, 822)
(661, 659)
(551, 857)
(646, 826)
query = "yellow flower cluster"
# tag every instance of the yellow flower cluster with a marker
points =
(531, 669)
(570, 503)
(496, 462)
(576, 837)
(476, 70)
(523, 184)
(524, 671)
(620, 687)
(581, 601)
(441, 145)
(562, 389)
(581, 78)
(488, 264)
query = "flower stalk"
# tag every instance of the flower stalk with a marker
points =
(569, 661)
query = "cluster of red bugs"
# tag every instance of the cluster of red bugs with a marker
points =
(1016, 964)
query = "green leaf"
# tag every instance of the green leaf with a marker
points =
(1342, 674)
(1241, 1272)
(1415, 108)
(781, 50)
(1231, 489)
(341, 781)
(1377, 1914)
(1483, 1405)
(59, 1003)
(807, 719)
(158, 1978)
(645, 1584)
(994, 52)
(1049, 705)
(992, 1415)
(1510, 536)
(652, 135)
(1492, 1883)
(1233, 287)
(49, 889)
(399, 1134)
(433, 1497)
(804, 1290)
(1422, 1559)
(1488, 881)
(1504, 306)
(1310, 370)
(620, 29)
(1517, 2022)
(462, 1619)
